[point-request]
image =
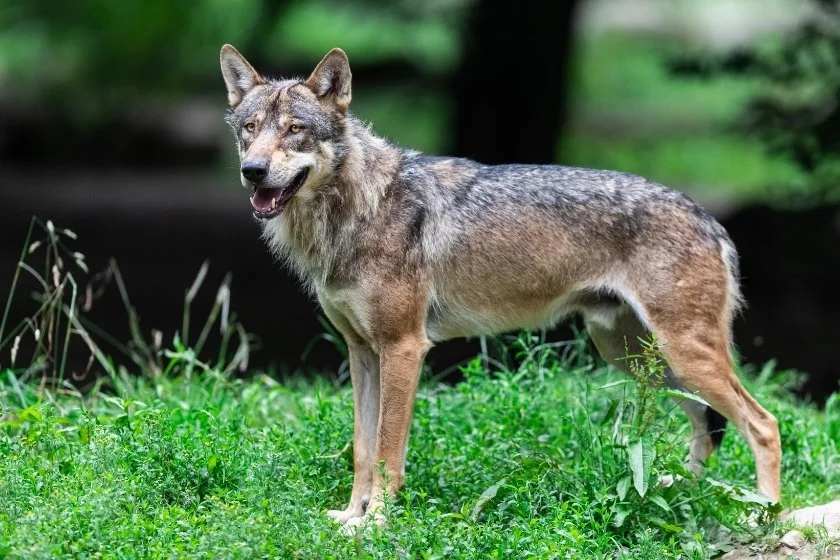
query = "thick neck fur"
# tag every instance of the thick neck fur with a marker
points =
(316, 231)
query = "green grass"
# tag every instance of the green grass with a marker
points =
(525, 462)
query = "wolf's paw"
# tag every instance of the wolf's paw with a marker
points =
(353, 526)
(344, 515)
(362, 524)
(374, 517)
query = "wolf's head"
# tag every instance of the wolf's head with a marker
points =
(287, 130)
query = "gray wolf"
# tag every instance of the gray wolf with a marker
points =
(403, 250)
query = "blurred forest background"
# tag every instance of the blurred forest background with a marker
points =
(111, 125)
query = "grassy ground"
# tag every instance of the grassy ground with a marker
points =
(544, 460)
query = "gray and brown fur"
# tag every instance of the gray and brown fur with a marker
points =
(404, 250)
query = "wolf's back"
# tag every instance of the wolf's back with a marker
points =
(597, 208)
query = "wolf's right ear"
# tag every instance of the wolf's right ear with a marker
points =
(331, 80)
(239, 75)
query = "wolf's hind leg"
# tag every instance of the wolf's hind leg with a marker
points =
(616, 335)
(692, 318)
(702, 362)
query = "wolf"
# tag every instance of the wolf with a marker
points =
(403, 250)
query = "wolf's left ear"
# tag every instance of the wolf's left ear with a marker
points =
(331, 80)
(239, 75)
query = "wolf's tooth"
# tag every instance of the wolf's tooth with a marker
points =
(273, 203)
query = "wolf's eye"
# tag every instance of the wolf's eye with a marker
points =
(250, 127)
(295, 128)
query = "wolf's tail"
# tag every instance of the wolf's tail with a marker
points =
(734, 298)
(716, 425)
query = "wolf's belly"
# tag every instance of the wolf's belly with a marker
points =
(445, 321)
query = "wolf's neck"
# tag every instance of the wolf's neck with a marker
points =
(368, 167)
(315, 237)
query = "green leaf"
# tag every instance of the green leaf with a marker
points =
(621, 512)
(743, 495)
(84, 434)
(212, 461)
(485, 497)
(641, 454)
(610, 414)
(613, 384)
(665, 525)
(694, 549)
(677, 394)
(622, 487)
(660, 501)
(30, 413)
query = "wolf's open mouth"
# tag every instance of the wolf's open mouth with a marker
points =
(268, 203)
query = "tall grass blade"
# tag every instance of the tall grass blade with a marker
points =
(133, 321)
(15, 278)
(189, 296)
(221, 295)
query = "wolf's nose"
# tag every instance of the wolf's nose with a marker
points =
(255, 170)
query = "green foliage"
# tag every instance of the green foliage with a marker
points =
(91, 55)
(91, 47)
(371, 31)
(91, 62)
(548, 459)
(629, 113)
(795, 113)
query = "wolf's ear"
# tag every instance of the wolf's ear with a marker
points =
(239, 76)
(331, 80)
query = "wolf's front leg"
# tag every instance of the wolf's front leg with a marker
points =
(400, 364)
(364, 374)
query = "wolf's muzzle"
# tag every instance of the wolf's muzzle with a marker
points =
(255, 170)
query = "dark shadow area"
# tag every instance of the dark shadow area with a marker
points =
(790, 266)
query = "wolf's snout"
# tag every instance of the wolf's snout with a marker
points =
(255, 170)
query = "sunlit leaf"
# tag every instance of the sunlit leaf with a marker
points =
(641, 454)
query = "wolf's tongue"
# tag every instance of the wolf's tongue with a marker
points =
(263, 197)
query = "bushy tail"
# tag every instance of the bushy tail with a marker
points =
(734, 299)
(716, 424)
